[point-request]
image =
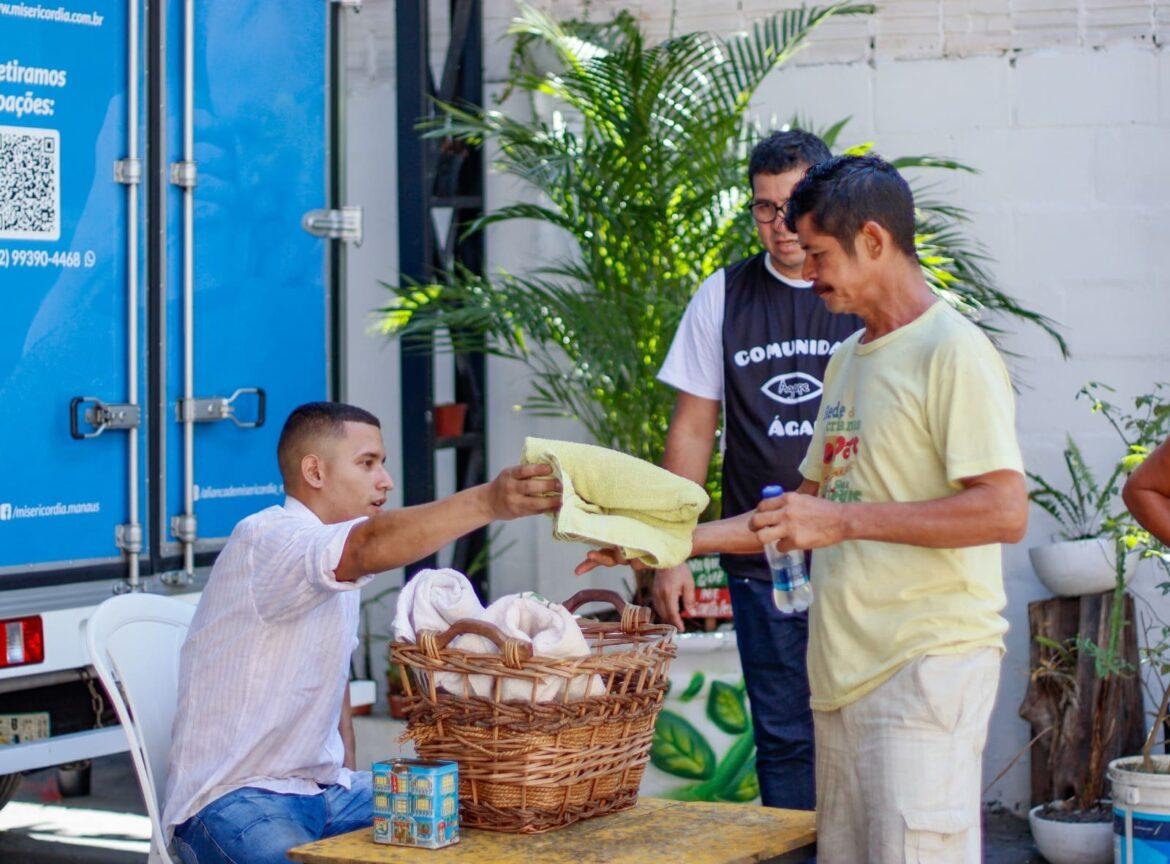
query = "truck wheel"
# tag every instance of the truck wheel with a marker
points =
(9, 783)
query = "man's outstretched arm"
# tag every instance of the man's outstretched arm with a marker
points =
(399, 537)
(734, 535)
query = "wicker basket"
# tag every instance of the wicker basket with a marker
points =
(529, 767)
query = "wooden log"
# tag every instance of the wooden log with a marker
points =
(1064, 706)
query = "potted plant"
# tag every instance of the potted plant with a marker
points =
(1080, 558)
(449, 419)
(1079, 830)
(1141, 785)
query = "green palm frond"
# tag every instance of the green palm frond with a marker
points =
(642, 164)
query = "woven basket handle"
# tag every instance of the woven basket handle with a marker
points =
(632, 616)
(514, 651)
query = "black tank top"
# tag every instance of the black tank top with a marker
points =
(777, 340)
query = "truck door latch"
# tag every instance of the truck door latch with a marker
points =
(218, 408)
(101, 416)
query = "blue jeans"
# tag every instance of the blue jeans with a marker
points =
(772, 649)
(255, 826)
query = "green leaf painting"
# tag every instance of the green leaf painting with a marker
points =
(680, 749)
(725, 707)
(744, 786)
(694, 688)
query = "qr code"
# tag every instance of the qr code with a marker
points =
(30, 183)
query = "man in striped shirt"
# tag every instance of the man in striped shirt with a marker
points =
(262, 752)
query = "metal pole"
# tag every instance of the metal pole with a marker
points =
(187, 532)
(133, 542)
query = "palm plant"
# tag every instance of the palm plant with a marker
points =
(642, 165)
(1082, 510)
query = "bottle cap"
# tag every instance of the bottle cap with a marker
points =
(772, 491)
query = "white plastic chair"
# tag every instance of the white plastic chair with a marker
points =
(134, 643)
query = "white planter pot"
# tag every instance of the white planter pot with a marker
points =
(1071, 842)
(1142, 834)
(1071, 568)
(705, 723)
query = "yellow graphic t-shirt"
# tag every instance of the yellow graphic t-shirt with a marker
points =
(905, 418)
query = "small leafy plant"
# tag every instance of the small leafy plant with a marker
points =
(1083, 508)
(1089, 509)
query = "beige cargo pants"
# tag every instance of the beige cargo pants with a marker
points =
(899, 770)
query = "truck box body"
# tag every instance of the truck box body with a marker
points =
(74, 249)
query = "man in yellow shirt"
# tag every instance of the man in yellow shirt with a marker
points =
(912, 479)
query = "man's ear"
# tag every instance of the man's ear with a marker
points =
(873, 239)
(312, 470)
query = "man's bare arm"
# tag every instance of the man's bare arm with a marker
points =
(399, 537)
(991, 508)
(1147, 493)
(691, 437)
(734, 535)
(345, 727)
(689, 443)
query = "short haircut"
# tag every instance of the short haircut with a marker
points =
(310, 422)
(783, 151)
(845, 192)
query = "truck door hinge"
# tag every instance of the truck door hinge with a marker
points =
(183, 174)
(128, 171)
(344, 224)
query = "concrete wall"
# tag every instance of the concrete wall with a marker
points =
(1063, 106)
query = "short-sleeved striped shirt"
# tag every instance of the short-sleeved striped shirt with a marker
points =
(264, 666)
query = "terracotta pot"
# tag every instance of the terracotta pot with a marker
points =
(397, 706)
(449, 418)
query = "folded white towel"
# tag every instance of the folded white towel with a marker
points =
(553, 632)
(434, 600)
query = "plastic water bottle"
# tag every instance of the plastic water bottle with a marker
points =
(791, 590)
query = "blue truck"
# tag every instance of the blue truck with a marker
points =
(171, 238)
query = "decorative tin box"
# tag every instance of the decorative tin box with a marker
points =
(416, 802)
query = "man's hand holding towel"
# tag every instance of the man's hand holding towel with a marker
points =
(614, 499)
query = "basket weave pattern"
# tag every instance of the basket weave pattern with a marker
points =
(529, 767)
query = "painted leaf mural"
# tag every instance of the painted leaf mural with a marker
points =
(725, 707)
(680, 749)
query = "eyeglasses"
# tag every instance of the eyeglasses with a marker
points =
(765, 212)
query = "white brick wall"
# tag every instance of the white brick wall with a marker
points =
(902, 29)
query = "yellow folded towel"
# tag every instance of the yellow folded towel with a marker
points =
(613, 499)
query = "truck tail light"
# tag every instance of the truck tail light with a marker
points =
(24, 641)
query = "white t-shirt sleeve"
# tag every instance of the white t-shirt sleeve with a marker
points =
(694, 363)
(292, 566)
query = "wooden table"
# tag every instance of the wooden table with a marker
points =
(654, 830)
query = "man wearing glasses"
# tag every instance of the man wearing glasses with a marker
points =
(755, 341)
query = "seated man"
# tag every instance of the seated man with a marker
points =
(262, 753)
